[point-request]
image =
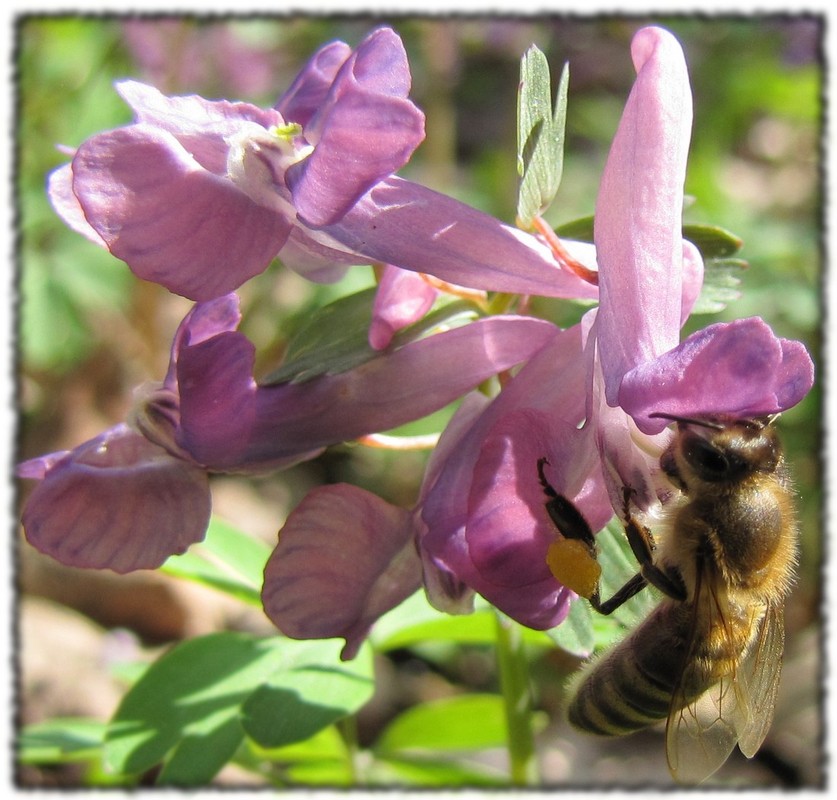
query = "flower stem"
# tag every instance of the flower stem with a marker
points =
(347, 727)
(514, 684)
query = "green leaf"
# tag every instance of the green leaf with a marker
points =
(721, 279)
(423, 771)
(334, 339)
(618, 566)
(325, 745)
(465, 722)
(415, 621)
(228, 560)
(580, 229)
(303, 700)
(186, 707)
(712, 240)
(575, 634)
(540, 135)
(321, 773)
(61, 741)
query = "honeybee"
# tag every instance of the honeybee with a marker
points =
(708, 657)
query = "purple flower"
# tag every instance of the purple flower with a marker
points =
(139, 492)
(649, 279)
(201, 195)
(583, 402)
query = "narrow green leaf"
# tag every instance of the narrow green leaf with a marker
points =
(228, 560)
(712, 240)
(60, 741)
(540, 135)
(334, 339)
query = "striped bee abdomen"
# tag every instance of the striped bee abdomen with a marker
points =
(631, 686)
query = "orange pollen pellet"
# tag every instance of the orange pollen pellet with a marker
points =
(574, 566)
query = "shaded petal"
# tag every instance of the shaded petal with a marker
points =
(315, 261)
(623, 463)
(692, 279)
(551, 382)
(205, 320)
(344, 558)
(310, 87)
(508, 530)
(67, 206)
(410, 226)
(403, 297)
(173, 222)
(217, 400)
(117, 502)
(639, 212)
(739, 368)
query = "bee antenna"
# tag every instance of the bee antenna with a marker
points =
(705, 423)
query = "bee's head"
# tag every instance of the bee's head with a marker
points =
(722, 449)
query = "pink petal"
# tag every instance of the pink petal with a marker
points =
(639, 212)
(739, 368)
(66, 204)
(310, 88)
(173, 222)
(410, 226)
(364, 131)
(118, 502)
(344, 558)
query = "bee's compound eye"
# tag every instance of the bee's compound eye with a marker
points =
(709, 462)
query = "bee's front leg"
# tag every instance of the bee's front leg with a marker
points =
(667, 580)
(572, 525)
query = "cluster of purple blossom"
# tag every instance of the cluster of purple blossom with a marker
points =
(200, 196)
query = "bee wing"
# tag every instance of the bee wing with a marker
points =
(701, 735)
(702, 731)
(759, 675)
(738, 708)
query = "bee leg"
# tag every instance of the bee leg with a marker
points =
(571, 523)
(667, 580)
(564, 515)
(632, 587)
